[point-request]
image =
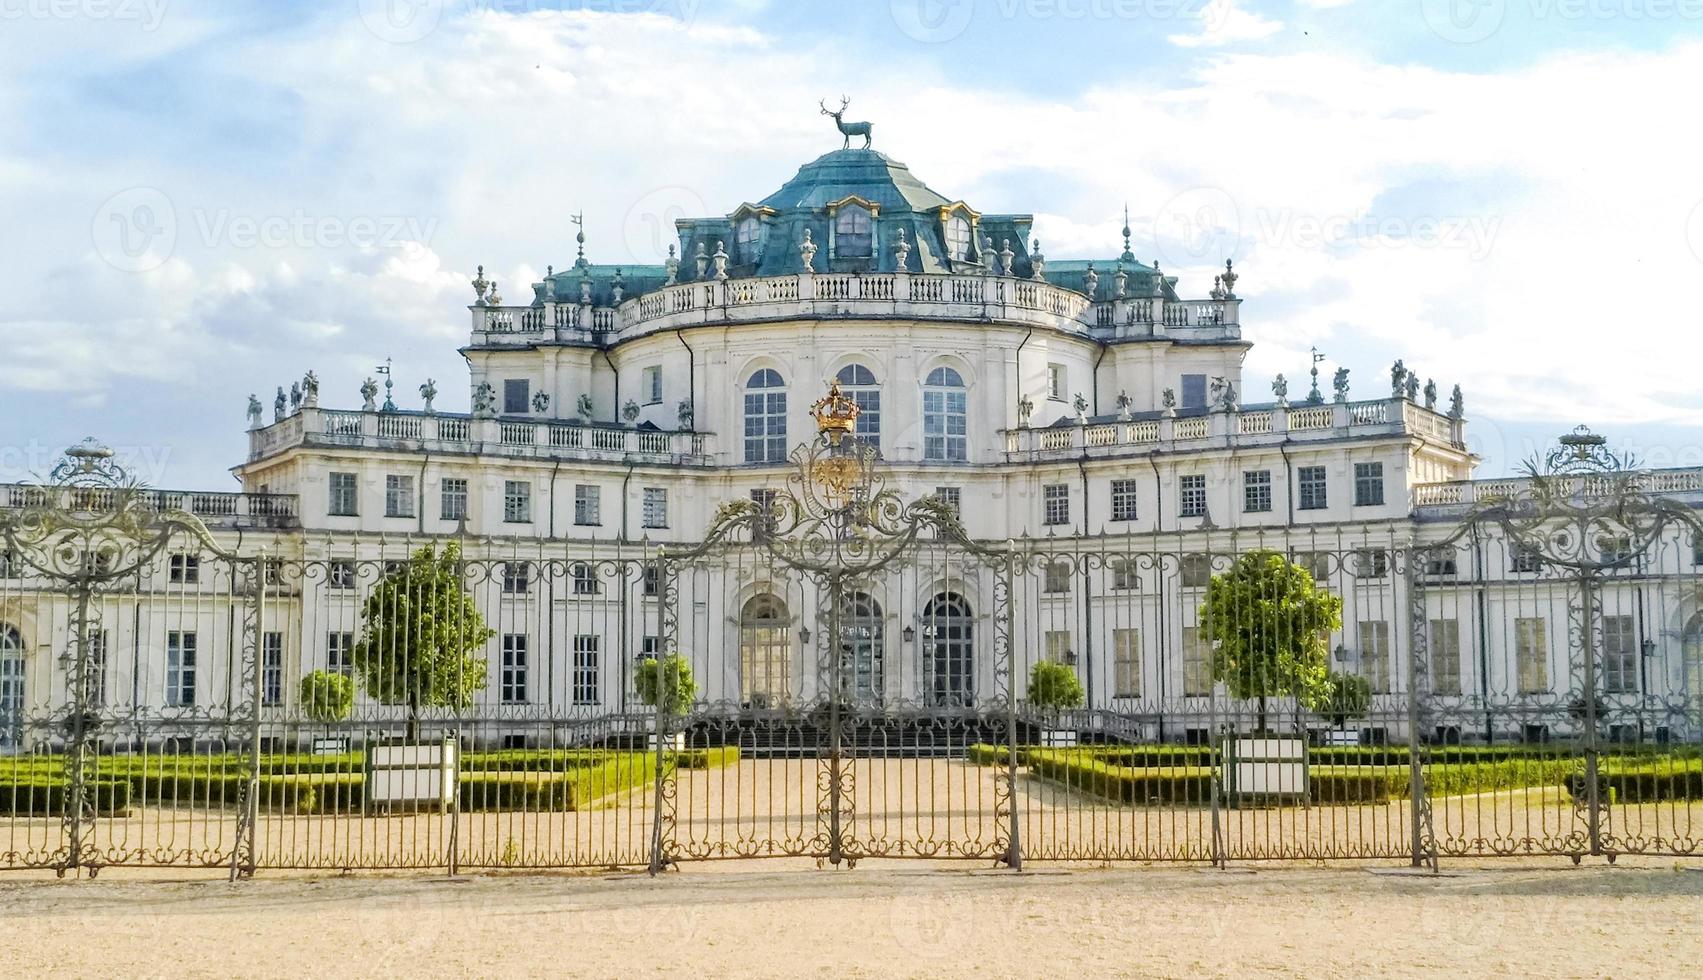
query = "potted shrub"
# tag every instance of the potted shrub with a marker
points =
(1054, 688)
(1345, 697)
(666, 684)
(328, 697)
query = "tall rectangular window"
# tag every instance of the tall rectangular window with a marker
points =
(656, 507)
(1256, 491)
(652, 578)
(340, 574)
(339, 652)
(180, 668)
(342, 495)
(517, 577)
(585, 686)
(1445, 653)
(1368, 484)
(517, 502)
(1375, 655)
(1055, 578)
(1619, 655)
(1525, 561)
(452, 498)
(588, 505)
(183, 569)
(1056, 385)
(1057, 646)
(1055, 499)
(1126, 575)
(1126, 663)
(1123, 500)
(272, 669)
(10, 565)
(584, 578)
(1531, 655)
(651, 384)
(1191, 496)
(1197, 663)
(952, 497)
(1310, 487)
(398, 496)
(1194, 391)
(512, 680)
(517, 396)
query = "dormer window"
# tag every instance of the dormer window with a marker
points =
(958, 238)
(748, 240)
(853, 233)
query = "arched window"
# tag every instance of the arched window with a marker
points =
(944, 416)
(958, 238)
(948, 652)
(765, 652)
(858, 382)
(861, 647)
(765, 418)
(11, 686)
(1691, 650)
(748, 240)
(853, 233)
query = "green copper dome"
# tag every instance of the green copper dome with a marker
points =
(869, 174)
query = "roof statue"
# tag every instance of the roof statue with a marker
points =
(847, 129)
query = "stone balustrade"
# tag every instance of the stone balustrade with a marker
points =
(451, 433)
(1447, 500)
(934, 296)
(233, 510)
(1253, 426)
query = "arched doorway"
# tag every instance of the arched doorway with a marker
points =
(948, 652)
(861, 649)
(11, 686)
(765, 652)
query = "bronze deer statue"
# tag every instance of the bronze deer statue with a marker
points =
(847, 129)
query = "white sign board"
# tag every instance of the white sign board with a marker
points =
(421, 773)
(1265, 766)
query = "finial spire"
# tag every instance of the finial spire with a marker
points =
(579, 237)
(1128, 256)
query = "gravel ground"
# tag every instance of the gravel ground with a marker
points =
(872, 922)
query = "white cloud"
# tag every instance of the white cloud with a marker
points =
(1563, 302)
(1223, 22)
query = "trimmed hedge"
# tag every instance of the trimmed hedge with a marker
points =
(715, 758)
(1640, 784)
(47, 799)
(1121, 783)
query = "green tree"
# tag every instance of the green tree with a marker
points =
(1269, 625)
(1344, 696)
(666, 683)
(1054, 687)
(420, 632)
(328, 696)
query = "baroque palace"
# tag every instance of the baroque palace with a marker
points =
(1089, 413)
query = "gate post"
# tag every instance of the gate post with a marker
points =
(1422, 832)
(73, 820)
(836, 666)
(243, 858)
(667, 629)
(1588, 651)
(1014, 846)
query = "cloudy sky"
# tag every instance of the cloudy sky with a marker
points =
(205, 200)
